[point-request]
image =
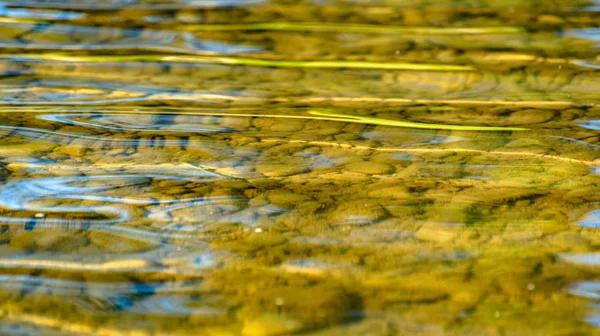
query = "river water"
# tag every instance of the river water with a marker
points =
(324, 167)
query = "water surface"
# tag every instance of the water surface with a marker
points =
(248, 167)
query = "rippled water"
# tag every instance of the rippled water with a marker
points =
(257, 168)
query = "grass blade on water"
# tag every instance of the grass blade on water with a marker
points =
(351, 28)
(399, 123)
(242, 61)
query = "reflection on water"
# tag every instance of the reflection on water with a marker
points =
(259, 168)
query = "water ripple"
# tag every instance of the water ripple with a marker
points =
(86, 92)
(131, 4)
(592, 34)
(66, 138)
(40, 195)
(42, 14)
(151, 298)
(592, 219)
(178, 305)
(142, 122)
(41, 36)
(161, 259)
(582, 259)
(587, 289)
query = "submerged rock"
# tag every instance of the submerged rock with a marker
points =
(271, 325)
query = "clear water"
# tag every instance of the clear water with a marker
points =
(248, 167)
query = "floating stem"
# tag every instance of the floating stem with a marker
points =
(399, 123)
(351, 28)
(244, 61)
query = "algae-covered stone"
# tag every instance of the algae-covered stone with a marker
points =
(289, 125)
(439, 232)
(285, 198)
(265, 239)
(372, 235)
(309, 207)
(412, 290)
(23, 240)
(27, 148)
(75, 151)
(391, 192)
(498, 194)
(525, 143)
(271, 325)
(345, 176)
(60, 241)
(311, 306)
(586, 192)
(316, 268)
(113, 243)
(530, 116)
(279, 169)
(522, 231)
(568, 240)
(368, 167)
(10, 250)
(358, 212)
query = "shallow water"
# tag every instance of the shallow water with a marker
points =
(250, 167)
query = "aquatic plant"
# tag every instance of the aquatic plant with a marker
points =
(400, 123)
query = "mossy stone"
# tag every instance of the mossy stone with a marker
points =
(265, 239)
(286, 198)
(368, 167)
(113, 243)
(439, 232)
(358, 212)
(311, 306)
(392, 192)
(271, 325)
(530, 116)
(280, 169)
(60, 241)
